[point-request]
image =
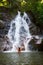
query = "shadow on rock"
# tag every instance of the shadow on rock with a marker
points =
(5, 44)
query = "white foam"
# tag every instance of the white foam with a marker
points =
(14, 36)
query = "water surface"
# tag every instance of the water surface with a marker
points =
(29, 58)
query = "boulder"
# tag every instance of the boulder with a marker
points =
(5, 44)
(36, 44)
(1, 24)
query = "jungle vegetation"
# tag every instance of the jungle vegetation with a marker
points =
(35, 7)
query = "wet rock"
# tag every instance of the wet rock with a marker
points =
(1, 24)
(34, 30)
(5, 44)
(36, 44)
(4, 27)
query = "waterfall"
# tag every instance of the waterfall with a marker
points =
(19, 33)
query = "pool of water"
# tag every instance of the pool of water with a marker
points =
(26, 58)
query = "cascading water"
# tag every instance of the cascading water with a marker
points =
(19, 32)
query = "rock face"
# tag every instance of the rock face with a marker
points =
(34, 30)
(5, 44)
(35, 27)
(4, 27)
(1, 24)
(36, 44)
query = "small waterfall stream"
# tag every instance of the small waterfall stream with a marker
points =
(19, 37)
(19, 32)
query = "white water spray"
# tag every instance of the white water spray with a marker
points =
(19, 32)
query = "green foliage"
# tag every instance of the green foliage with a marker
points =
(36, 7)
(3, 3)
